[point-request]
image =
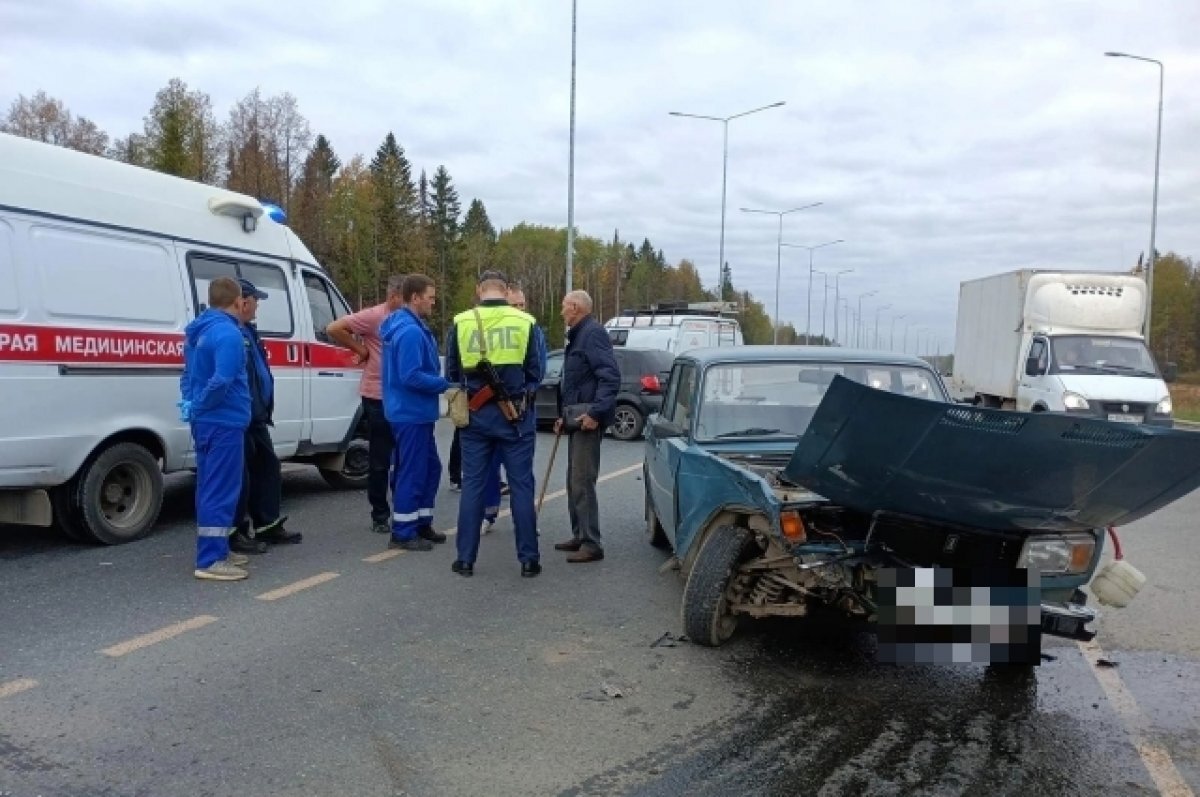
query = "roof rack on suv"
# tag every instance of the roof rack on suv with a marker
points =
(713, 309)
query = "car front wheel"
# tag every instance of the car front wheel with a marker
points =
(627, 422)
(707, 616)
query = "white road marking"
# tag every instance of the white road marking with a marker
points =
(1154, 756)
(292, 589)
(382, 557)
(17, 687)
(161, 635)
(450, 532)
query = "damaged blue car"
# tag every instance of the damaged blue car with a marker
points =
(790, 478)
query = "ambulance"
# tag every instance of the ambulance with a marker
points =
(102, 265)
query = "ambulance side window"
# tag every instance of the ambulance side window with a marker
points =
(274, 319)
(324, 303)
(204, 271)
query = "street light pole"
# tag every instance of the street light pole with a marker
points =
(878, 310)
(1154, 201)
(571, 166)
(724, 120)
(859, 331)
(836, 297)
(824, 305)
(778, 252)
(808, 315)
(892, 337)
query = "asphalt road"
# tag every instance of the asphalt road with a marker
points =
(327, 673)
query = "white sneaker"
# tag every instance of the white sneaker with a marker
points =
(220, 571)
(488, 525)
(237, 559)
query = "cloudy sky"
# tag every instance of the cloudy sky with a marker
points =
(946, 140)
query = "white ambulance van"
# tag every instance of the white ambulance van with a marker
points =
(102, 265)
(676, 326)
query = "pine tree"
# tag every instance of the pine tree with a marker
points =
(396, 206)
(182, 136)
(444, 209)
(312, 197)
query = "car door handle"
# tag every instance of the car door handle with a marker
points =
(330, 373)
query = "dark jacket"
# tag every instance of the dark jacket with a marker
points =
(412, 375)
(214, 370)
(258, 374)
(590, 374)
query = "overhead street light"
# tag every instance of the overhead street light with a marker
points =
(836, 297)
(1154, 201)
(571, 167)
(892, 337)
(808, 315)
(859, 327)
(778, 258)
(724, 120)
(878, 310)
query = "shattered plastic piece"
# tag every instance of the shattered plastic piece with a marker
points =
(612, 691)
(665, 641)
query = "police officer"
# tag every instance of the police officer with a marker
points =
(502, 416)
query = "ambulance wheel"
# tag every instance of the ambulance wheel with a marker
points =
(355, 468)
(119, 493)
(67, 518)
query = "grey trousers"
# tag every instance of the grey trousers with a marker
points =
(583, 468)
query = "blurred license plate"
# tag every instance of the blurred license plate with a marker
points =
(1124, 417)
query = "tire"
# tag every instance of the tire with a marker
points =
(355, 469)
(627, 422)
(67, 518)
(654, 530)
(118, 494)
(706, 616)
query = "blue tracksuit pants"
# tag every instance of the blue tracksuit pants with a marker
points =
(489, 436)
(219, 464)
(416, 470)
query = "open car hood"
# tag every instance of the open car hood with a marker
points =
(871, 450)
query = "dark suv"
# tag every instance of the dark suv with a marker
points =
(644, 374)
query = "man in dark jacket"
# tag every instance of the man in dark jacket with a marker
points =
(259, 521)
(591, 378)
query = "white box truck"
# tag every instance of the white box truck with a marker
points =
(102, 265)
(1058, 341)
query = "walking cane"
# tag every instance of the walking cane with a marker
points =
(546, 479)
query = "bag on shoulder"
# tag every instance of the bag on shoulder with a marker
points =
(457, 409)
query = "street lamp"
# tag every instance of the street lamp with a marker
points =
(878, 310)
(1154, 201)
(571, 167)
(724, 120)
(808, 315)
(836, 297)
(778, 258)
(892, 337)
(858, 329)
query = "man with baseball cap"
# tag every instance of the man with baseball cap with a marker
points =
(259, 521)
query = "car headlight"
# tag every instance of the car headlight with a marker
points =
(1065, 554)
(1074, 401)
(1165, 407)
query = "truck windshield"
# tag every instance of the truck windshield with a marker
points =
(1093, 354)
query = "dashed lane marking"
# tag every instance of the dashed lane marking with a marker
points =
(161, 635)
(17, 687)
(292, 589)
(382, 557)
(1154, 756)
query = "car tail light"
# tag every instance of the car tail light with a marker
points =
(792, 526)
(650, 384)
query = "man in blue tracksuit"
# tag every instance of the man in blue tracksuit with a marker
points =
(498, 334)
(412, 388)
(216, 400)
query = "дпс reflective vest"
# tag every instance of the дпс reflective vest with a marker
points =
(509, 334)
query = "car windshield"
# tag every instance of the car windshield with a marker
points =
(1093, 354)
(778, 399)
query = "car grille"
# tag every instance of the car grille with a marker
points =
(927, 543)
(1125, 407)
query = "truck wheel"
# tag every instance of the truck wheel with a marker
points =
(627, 423)
(355, 468)
(706, 615)
(119, 493)
(654, 529)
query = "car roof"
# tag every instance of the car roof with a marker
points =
(634, 349)
(831, 354)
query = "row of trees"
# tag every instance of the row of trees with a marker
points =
(367, 218)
